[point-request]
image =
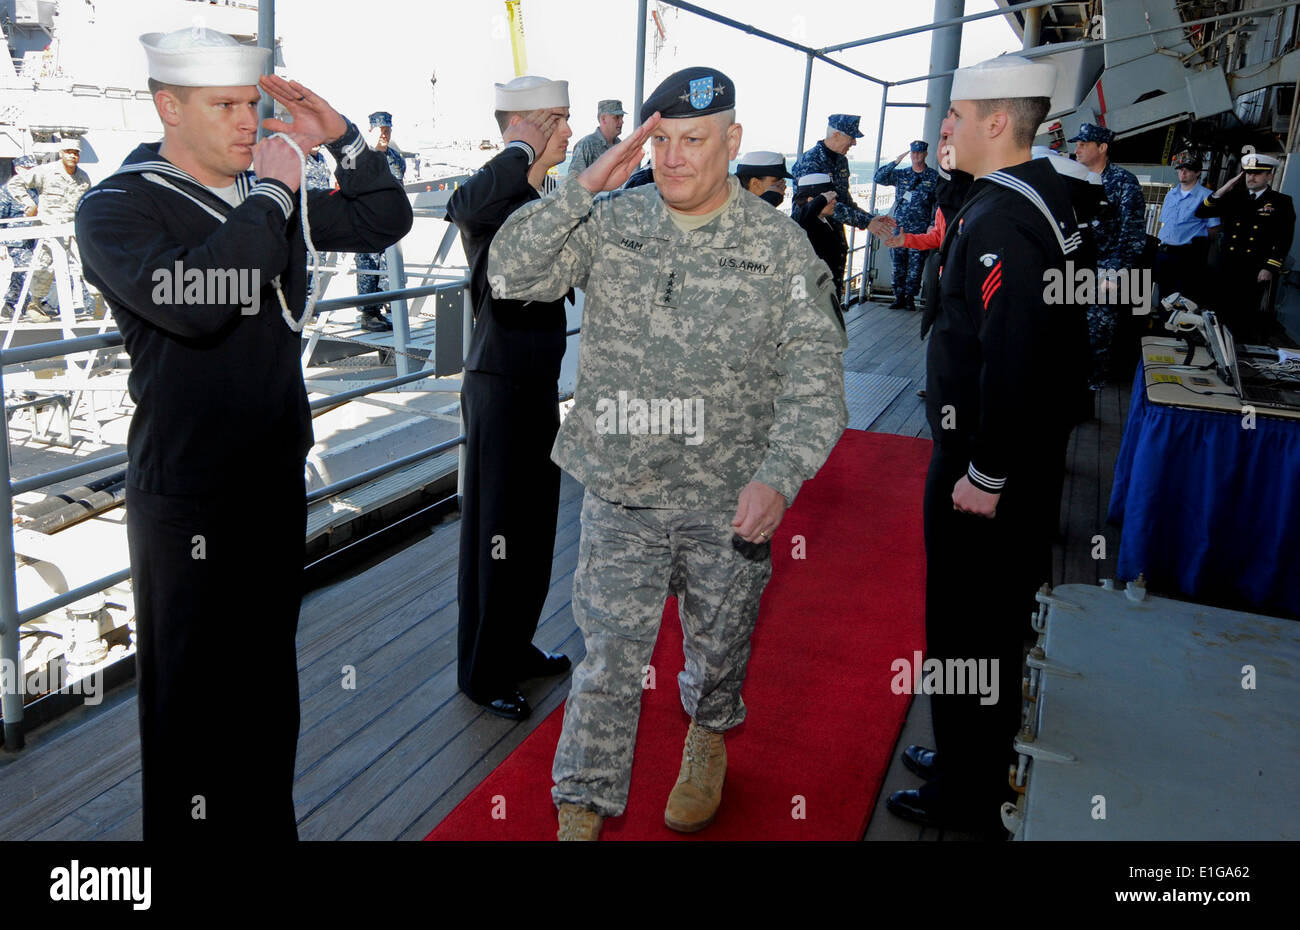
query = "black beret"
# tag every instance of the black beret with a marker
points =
(691, 92)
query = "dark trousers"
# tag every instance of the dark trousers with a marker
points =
(1183, 269)
(217, 583)
(1245, 305)
(981, 576)
(908, 265)
(507, 526)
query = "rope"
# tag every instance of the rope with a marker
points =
(314, 261)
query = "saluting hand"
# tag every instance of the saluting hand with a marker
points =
(617, 164)
(315, 122)
(535, 130)
(1229, 186)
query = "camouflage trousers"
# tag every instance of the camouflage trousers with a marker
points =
(371, 283)
(41, 260)
(1102, 320)
(21, 256)
(908, 264)
(629, 560)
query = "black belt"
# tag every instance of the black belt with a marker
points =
(1198, 242)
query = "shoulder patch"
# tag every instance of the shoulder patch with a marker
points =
(987, 259)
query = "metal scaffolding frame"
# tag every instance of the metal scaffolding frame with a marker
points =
(822, 54)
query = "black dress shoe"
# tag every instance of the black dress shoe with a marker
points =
(512, 706)
(920, 761)
(544, 665)
(911, 804)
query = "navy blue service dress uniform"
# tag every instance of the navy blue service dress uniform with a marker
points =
(215, 491)
(1256, 235)
(509, 399)
(1003, 369)
(914, 211)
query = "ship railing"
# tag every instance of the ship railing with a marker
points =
(12, 617)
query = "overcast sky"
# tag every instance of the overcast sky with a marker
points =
(379, 54)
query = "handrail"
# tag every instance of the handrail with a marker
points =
(347, 484)
(12, 618)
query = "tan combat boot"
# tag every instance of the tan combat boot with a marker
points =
(578, 823)
(695, 798)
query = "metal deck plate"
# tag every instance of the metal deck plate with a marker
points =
(1160, 726)
(867, 396)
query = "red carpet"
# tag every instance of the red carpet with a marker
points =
(822, 718)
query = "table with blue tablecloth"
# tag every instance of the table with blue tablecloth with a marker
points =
(1209, 500)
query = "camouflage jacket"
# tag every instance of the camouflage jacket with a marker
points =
(821, 160)
(1121, 234)
(589, 148)
(320, 177)
(58, 190)
(914, 202)
(708, 358)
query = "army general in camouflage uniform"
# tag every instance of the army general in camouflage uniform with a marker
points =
(1120, 237)
(710, 387)
(915, 186)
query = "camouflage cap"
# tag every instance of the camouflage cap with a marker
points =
(611, 108)
(920, 145)
(691, 92)
(1091, 132)
(380, 118)
(845, 123)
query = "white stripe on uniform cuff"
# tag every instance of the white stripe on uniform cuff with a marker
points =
(984, 480)
(281, 197)
(354, 148)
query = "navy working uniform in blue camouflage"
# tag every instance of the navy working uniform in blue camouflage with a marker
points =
(821, 160)
(375, 261)
(319, 178)
(20, 253)
(914, 211)
(1120, 234)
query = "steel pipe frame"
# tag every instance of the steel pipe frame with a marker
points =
(1240, 14)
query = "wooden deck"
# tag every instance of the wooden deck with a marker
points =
(390, 758)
